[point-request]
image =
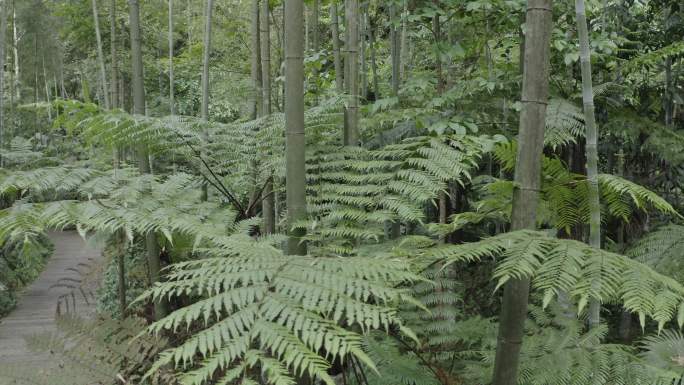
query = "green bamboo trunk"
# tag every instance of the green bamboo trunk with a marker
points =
(351, 132)
(535, 91)
(138, 88)
(335, 30)
(591, 146)
(100, 57)
(295, 141)
(268, 204)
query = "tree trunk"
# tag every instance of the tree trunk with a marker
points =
(403, 57)
(205, 59)
(256, 62)
(591, 146)
(114, 79)
(394, 49)
(48, 98)
(362, 56)
(315, 16)
(138, 85)
(437, 31)
(100, 57)
(172, 104)
(268, 207)
(265, 45)
(294, 125)
(374, 64)
(316, 45)
(3, 28)
(335, 27)
(527, 176)
(15, 47)
(351, 132)
(121, 262)
(668, 100)
(204, 113)
(115, 62)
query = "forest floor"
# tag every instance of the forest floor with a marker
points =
(36, 310)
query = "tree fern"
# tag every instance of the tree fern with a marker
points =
(665, 351)
(661, 249)
(280, 314)
(557, 265)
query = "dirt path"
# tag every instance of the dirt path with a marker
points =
(35, 312)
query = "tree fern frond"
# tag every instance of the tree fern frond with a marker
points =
(289, 308)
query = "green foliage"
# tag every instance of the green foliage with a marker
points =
(564, 123)
(354, 191)
(563, 194)
(665, 352)
(662, 250)
(283, 315)
(21, 261)
(566, 266)
(136, 277)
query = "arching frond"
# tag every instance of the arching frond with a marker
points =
(272, 310)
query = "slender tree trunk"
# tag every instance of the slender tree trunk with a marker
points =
(265, 45)
(10, 127)
(437, 31)
(294, 125)
(122, 286)
(403, 57)
(121, 262)
(114, 91)
(527, 176)
(115, 60)
(100, 57)
(315, 44)
(35, 78)
(205, 59)
(258, 94)
(172, 103)
(351, 132)
(625, 327)
(591, 146)
(138, 85)
(394, 49)
(15, 47)
(362, 57)
(268, 206)
(374, 64)
(668, 100)
(3, 28)
(48, 98)
(306, 28)
(335, 29)
(204, 113)
(256, 62)
(315, 34)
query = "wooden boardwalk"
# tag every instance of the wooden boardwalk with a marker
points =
(36, 309)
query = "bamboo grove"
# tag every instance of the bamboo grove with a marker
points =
(356, 192)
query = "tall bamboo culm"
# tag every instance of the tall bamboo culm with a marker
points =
(138, 85)
(351, 132)
(294, 125)
(100, 57)
(535, 92)
(591, 145)
(335, 30)
(268, 203)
